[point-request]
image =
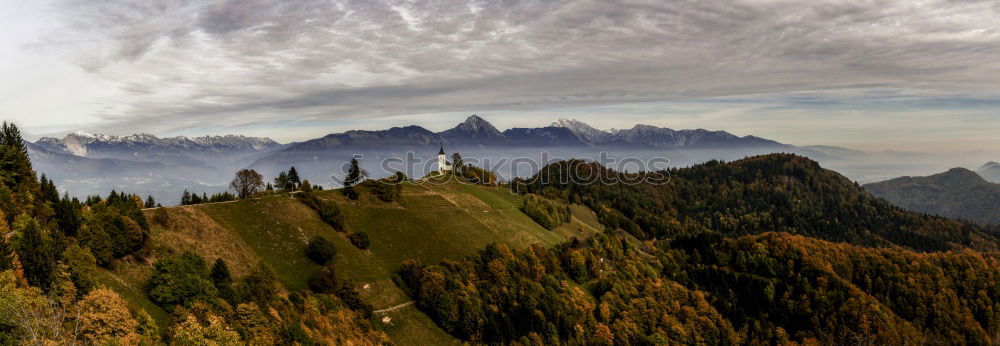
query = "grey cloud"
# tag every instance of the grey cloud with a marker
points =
(254, 61)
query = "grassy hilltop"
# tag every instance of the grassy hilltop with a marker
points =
(428, 223)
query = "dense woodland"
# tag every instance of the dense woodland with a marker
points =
(766, 250)
(767, 193)
(772, 288)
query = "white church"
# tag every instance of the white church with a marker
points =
(443, 164)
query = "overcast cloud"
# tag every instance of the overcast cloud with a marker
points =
(177, 66)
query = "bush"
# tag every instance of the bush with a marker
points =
(259, 286)
(320, 250)
(548, 213)
(349, 295)
(330, 213)
(350, 192)
(324, 282)
(387, 189)
(360, 239)
(180, 279)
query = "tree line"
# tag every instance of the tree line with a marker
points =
(776, 192)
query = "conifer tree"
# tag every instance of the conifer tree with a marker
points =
(354, 175)
(35, 253)
(281, 181)
(293, 179)
(15, 166)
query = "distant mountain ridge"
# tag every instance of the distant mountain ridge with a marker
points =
(957, 193)
(85, 163)
(476, 132)
(85, 144)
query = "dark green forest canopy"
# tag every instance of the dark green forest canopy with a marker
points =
(775, 192)
(772, 288)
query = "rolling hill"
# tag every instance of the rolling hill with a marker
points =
(429, 223)
(957, 193)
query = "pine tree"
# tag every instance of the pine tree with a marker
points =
(49, 192)
(281, 181)
(186, 198)
(354, 174)
(293, 179)
(68, 215)
(35, 253)
(15, 165)
(222, 278)
(150, 203)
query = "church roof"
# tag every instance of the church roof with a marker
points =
(442, 151)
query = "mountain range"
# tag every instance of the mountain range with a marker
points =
(85, 163)
(146, 147)
(476, 132)
(958, 193)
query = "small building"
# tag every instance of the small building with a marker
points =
(443, 164)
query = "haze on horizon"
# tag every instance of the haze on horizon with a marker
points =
(871, 75)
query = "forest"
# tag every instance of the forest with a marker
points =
(766, 193)
(767, 250)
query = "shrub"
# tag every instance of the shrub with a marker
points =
(360, 239)
(324, 282)
(350, 192)
(260, 285)
(330, 213)
(180, 279)
(387, 189)
(349, 295)
(545, 212)
(320, 250)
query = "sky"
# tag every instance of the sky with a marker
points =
(915, 75)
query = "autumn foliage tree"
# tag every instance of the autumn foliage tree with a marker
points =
(247, 183)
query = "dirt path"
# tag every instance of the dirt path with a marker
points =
(394, 308)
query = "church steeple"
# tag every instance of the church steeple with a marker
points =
(443, 164)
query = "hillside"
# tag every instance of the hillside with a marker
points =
(766, 289)
(428, 223)
(958, 193)
(776, 192)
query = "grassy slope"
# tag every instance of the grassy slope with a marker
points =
(428, 223)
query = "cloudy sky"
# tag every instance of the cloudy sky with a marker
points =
(880, 74)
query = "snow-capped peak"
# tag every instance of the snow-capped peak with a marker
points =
(84, 134)
(82, 143)
(581, 129)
